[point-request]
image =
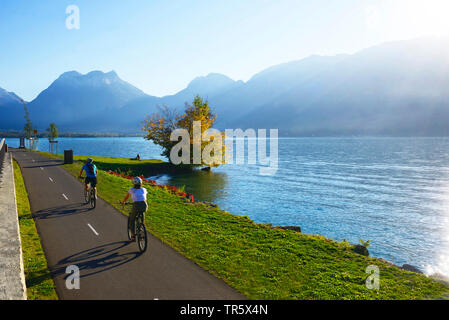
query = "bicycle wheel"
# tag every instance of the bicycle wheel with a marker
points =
(93, 199)
(142, 240)
(129, 229)
(86, 196)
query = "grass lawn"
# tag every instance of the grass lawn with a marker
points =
(39, 283)
(131, 167)
(260, 261)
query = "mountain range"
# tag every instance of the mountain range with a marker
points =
(398, 88)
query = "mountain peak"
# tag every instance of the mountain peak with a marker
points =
(112, 73)
(69, 74)
(209, 83)
(95, 78)
(73, 95)
(95, 74)
(300, 67)
(101, 74)
(7, 97)
(212, 77)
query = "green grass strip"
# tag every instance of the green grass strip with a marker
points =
(260, 261)
(39, 283)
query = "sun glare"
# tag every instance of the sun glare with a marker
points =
(429, 17)
(402, 19)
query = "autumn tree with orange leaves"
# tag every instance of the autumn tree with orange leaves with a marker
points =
(159, 127)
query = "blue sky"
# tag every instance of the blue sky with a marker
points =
(160, 46)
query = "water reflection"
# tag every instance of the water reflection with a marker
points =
(209, 186)
(440, 245)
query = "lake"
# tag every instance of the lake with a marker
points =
(391, 191)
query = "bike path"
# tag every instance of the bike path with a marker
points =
(95, 240)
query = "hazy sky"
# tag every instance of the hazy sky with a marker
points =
(160, 46)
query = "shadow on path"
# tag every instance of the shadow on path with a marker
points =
(61, 211)
(96, 260)
(44, 165)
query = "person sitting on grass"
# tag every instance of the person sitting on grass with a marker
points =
(136, 158)
(139, 196)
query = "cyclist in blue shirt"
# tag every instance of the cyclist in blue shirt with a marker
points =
(91, 175)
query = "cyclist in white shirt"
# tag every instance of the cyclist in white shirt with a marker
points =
(139, 196)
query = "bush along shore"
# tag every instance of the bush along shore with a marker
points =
(172, 189)
(260, 261)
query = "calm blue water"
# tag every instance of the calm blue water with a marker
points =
(392, 191)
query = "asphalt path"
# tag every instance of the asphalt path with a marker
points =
(95, 241)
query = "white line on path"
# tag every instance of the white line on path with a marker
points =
(65, 196)
(91, 228)
(50, 179)
(41, 168)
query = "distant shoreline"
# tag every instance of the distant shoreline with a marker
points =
(44, 135)
(18, 134)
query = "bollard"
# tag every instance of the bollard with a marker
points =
(6, 148)
(68, 156)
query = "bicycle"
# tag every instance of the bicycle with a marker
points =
(90, 196)
(139, 230)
